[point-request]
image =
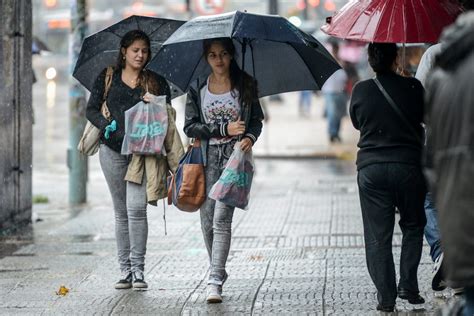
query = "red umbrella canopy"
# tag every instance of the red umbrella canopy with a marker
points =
(393, 21)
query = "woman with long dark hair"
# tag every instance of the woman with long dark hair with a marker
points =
(130, 84)
(219, 111)
(390, 173)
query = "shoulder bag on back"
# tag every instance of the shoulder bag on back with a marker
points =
(89, 143)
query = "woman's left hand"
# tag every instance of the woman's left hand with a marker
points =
(246, 144)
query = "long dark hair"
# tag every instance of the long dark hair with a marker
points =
(250, 88)
(127, 40)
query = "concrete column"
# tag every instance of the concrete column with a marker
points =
(16, 116)
(77, 163)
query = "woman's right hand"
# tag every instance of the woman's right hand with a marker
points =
(236, 128)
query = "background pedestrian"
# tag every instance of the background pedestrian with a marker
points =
(390, 174)
(450, 119)
(335, 98)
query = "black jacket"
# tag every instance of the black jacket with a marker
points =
(196, 127)
(119, 99)
(384, 137)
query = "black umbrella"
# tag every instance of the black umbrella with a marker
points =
(37, 46)
(101, 49)
(278, 54)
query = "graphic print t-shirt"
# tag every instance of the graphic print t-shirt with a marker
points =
(221, 108)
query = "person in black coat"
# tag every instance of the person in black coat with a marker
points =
(449, 157)
(390, 174)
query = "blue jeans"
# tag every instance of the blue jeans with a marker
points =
(305, 102)
(432, 234)
(336, 109)
(469, 306)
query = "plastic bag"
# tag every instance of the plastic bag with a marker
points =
(146, 125)
(233, 186)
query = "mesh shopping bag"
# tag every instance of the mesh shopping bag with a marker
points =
(233, 186)
(146, 125)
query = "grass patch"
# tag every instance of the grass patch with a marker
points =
(40, 199)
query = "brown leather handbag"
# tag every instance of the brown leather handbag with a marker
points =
(89, 143)
(187, 187)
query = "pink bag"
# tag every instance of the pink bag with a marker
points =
(146, 125)
(233, 186)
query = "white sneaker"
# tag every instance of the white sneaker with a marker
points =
(214, 293)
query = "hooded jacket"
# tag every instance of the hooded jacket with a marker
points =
(450, 148)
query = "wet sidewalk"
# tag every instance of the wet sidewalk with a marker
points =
(298, 250)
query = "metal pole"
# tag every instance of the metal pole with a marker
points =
(77, 163)
(305, 10)
(273, 6)
(273, 9)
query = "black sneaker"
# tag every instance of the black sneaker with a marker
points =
(438, 283)
(139, 281)
(125, 282)
(411, 297)
(386, 309)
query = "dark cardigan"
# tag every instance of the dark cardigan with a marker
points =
(119, 99)
(384, 137)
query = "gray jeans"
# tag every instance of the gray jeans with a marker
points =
(216, 217)
(129, 199)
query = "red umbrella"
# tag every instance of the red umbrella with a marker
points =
(393, 21)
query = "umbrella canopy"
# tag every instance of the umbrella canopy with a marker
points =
(279, 55)
(37, 46)
(393, 21)
(101, 49)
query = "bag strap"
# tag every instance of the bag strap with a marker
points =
(108, 81)
(164, 216)
(396, 109)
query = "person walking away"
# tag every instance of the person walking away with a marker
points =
(128, 87)
(304, 103)
(432, 233)
(390, 174)
(335, 98)
(450, 152)
(219, 111)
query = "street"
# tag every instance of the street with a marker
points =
(298, 250)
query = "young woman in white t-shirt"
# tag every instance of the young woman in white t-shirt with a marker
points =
(219, 111)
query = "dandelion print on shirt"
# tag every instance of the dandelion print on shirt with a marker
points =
(220, 109)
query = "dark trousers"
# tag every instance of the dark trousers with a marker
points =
(382, 187)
